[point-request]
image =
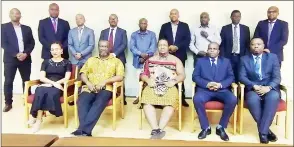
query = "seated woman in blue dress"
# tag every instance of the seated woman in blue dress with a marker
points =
(54, 72)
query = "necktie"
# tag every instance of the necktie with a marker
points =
(213, 67)
(54, 25)
(235, 40)
(110, 40)
(257, 67)
(270, 28)
(80, 33)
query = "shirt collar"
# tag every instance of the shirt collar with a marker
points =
(175, 24)
(114, 29)
(272, 21)
(109, 57)
(55, 18)
(214, 58)
(82, 27)
(19, 25)
(208, 26)
(238, 25)
(254, 57)
(139, 32)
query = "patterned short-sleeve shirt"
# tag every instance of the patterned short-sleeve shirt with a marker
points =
(98, 70)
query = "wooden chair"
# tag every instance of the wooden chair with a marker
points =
(179, 108)
(117, 98)
(215, 106)
(282, 109)
(68, 90)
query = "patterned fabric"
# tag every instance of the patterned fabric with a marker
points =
(99, 70)
(160, 94)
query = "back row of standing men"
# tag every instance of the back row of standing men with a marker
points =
(78, 43)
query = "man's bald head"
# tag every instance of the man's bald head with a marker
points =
(80, 20)
(272, 13)
(213, 50)
(54, 10)
(256, 46)
(15, 15)
(204, 18)
(174, 15)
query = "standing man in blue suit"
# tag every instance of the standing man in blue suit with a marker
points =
(81, 42)
(235, 41)
(260, 73)
(274, 33)
(213, 76)
(53, 29)
(178, 35)
(17, 42)
(117, 38)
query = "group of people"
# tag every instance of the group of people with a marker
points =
(220, 59)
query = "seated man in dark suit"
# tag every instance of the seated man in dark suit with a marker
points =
(260, 72)
(213, 76)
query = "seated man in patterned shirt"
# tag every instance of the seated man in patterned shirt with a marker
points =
(98, 74)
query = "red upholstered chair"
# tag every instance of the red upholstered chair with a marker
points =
(117, 98)
(215, 106)
(281, 110)
(68, 91)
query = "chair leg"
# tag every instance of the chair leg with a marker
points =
(114, 118)
(235, 121)
(180, 118)
(277, 119)
(241, 120)
(76, 115)
(65, 115)
(192, 120)
(286, 125)
(122, 108)
(27, 115)
(141, 117)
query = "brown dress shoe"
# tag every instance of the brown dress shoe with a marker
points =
(136, 101)
(7, 108)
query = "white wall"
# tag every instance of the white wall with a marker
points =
(157, 13)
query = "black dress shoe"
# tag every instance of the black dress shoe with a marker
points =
(263, 138)
(136, 101)
(204, 133)
(222, 133)
(7, 108)
(125, 103)
(184, 103)
(77, 133)
(86, 134)
(271, 136)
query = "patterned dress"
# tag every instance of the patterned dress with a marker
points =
(160, 94)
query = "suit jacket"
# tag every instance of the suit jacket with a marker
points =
(226, 46)
(270, 70)
(182, 40)
(278, 38)
(202, 73)
(120, 42)
(10, 44)
(47, 35)
(85, 46)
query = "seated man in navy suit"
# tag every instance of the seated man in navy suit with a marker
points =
(213, 75)
(260, 72)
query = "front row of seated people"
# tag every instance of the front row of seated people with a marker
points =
(259, 71)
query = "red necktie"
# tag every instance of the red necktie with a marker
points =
(110, 40)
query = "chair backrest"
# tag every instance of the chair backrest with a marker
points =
(74, 72)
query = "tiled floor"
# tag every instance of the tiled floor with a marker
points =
(14, 122)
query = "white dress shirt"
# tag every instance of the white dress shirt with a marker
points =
(199, 43)
(18, 33)
(238, 34)
(114, 31)
(174, 29)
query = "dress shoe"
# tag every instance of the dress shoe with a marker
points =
(222, 133)
(263, 138)
(77, 133)
(86, 134)
(7, 108)
(136, 101)
(184, 103)
(204, 133)
(271, 136)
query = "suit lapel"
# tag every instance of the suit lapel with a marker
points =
(14, 34)
(116, 36)
(266, 30)
(51, 25)
(263, 64)
(106, 34)
(275, 28)
(208, 64)
(252, 66)
(58, 26)
(230, 33)
(178, 31)
(83, 35)
(170, 31)
(241, 35)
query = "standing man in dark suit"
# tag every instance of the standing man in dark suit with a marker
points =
(18, 42)
(274, 33)
(53, 29)
(235, 41)
(117, 38)
(178, 35)
(213, 76)
(260, 73)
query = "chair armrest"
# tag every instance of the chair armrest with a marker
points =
(242, 87)
(117, 84)
(32, 83)
(234, 88)
(78, 84)
(69, 83)
(284, 88)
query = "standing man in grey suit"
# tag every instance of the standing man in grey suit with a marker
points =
(81, 42)
(117, 38)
